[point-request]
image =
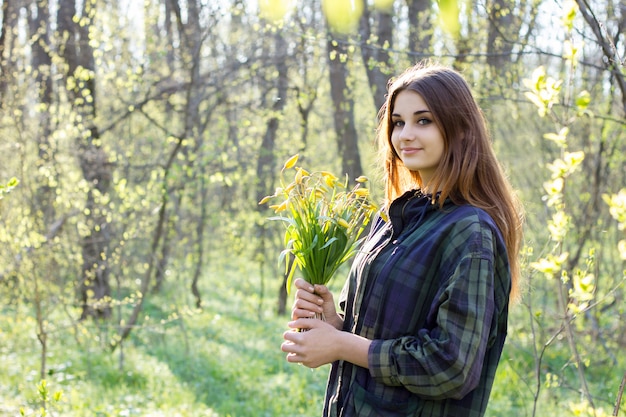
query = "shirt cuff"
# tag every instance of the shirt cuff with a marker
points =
(381, 362)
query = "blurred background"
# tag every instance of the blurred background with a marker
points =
(138, 274)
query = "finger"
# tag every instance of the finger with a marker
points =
(298, 313)
(289, 347)
(308, 296)
(313, 305)
(323, 292)
(303, 285)
(291, 336)
(303, 308)
(321, 289)
(300, 324)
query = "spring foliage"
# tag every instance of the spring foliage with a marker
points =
(324, 221)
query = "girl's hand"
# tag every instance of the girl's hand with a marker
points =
(314, 347)
(311, 300)
(322, 343)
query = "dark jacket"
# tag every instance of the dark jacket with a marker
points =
(431, 289)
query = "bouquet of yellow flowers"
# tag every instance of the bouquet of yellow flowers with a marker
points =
(324, 221)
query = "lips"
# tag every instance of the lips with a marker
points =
(409, 151)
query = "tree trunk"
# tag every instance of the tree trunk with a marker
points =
(282, 291)
(42, 63)
(343, 108)
(164, 256)
(93, 160)
(375, 44)
(464, 41)
(501, 24)
(266, 163)
(195, 290)
(420, 28)
(7, 39)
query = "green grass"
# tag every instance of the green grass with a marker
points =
(222, 361)
(226, 361)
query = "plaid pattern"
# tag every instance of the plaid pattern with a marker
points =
(431, 289)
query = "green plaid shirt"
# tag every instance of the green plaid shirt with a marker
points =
(430, 288)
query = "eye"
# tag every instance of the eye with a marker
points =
(397, 123)
(424, 121)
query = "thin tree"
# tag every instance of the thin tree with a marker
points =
(343, 106)
(376, 33)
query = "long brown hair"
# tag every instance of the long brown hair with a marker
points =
(468, 172)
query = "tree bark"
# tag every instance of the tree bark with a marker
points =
(612, 63)
(195, 290)
(420, 28)
(266, 164)
(343, 108)
(375, 45)
(42, 62)
(164, 256)
(501, 24)
(93, 161)
(7, 40)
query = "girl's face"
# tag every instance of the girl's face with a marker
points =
(415, 137)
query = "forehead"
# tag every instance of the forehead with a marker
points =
(408, 101)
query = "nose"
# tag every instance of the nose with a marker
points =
(407, 132)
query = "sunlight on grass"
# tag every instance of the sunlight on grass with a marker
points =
(225, 361)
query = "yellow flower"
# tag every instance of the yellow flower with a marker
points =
(289, 188)
(280, 207)
(329, 178)
(265, 199)
(324, 221)
(319, 194)
(299, 175)
(343, 222)
(291, 162)
(362, 179)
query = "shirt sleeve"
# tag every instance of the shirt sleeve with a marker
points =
(445, 361)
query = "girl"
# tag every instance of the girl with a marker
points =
(425, 307)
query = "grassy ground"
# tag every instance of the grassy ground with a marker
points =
(222, 361)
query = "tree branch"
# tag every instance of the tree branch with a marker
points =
(607, 48)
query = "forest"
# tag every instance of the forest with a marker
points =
(139, 276)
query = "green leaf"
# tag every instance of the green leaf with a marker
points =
(558, 138)
(290, 277)
(449, 16)
(330, 242)
(570, 15)
(583, 100)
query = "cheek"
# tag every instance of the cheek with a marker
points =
(394, 141)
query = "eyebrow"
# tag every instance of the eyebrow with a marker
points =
(414, 114)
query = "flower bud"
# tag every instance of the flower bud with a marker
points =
(291, 162)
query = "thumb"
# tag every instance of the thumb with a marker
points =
(323, 291)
